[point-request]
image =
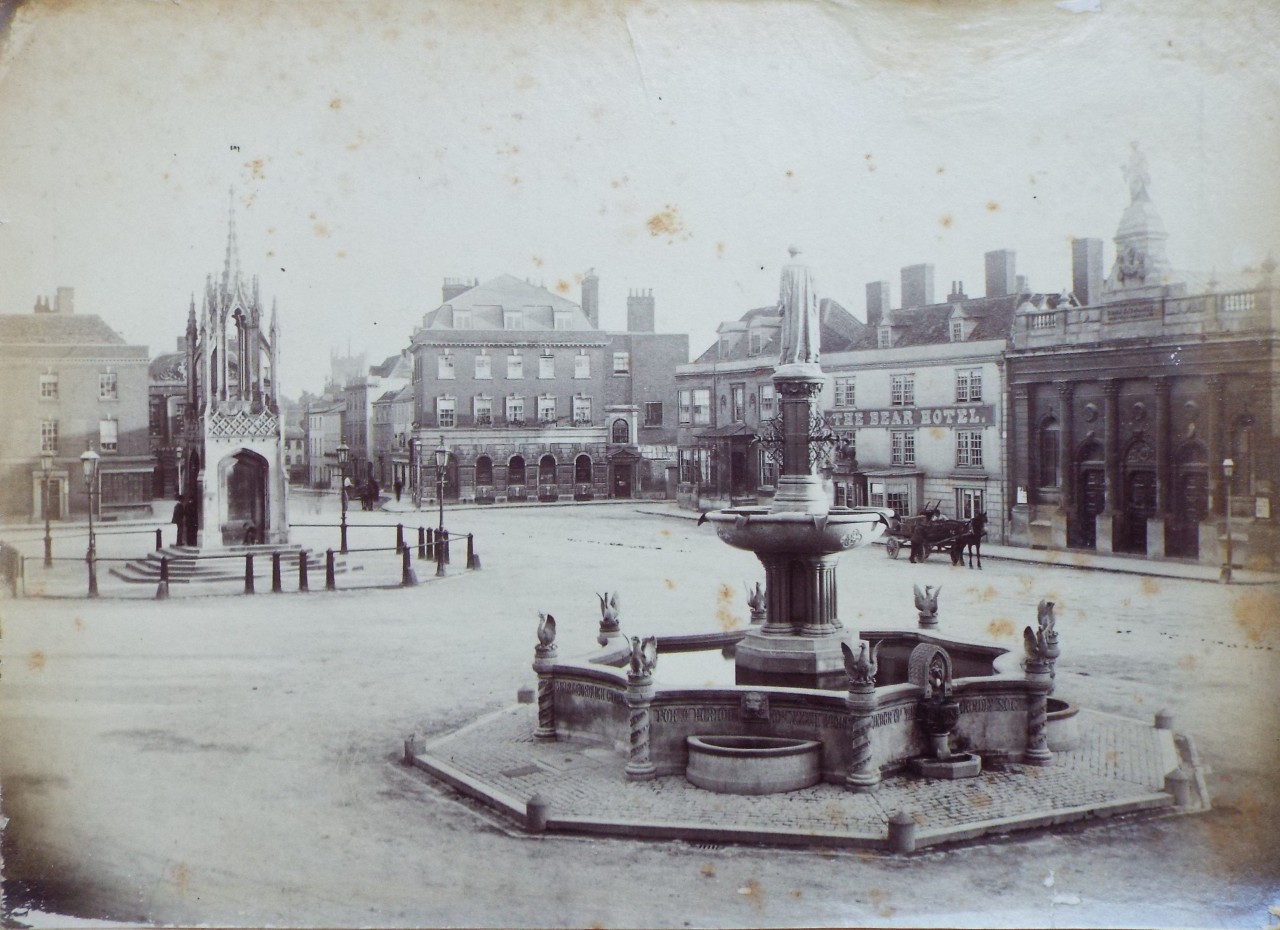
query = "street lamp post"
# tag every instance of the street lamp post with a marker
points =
(1228, 469)
(442, 459)
(89, 460)
(343, 452)
(181, 539)
(46, 470)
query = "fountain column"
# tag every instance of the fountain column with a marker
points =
(640, 765)
(544, 663)
(863, 776)
(800, 538)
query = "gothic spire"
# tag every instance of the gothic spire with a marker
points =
(231, 265)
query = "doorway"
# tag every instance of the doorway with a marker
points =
(1139, 506)
(622, 480)
(1093, 501)
(244, 482)
(1190, 503)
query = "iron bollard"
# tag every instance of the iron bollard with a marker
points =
(473, 560)
(422, 543)
(444, 534)
(162, 589)
(302, 571)
(535, 816)
(248, 573)
(276, 587)
(407, 578)
(93, 575)
(330, 582)
(431, 543)
(399, 537)
(159, 540)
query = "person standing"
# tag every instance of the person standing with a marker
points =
(917, 543)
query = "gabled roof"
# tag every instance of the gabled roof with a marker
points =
(56, 329)
(489, 300)
(394, 366)
(840, 329)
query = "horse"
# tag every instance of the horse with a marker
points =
(971, 539)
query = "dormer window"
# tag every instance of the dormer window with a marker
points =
(461, 319)
(957, 331)
(513, 319)
(755, 343)
(562, 319)
(884, 337)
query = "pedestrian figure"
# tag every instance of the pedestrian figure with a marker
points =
(399, 486)
(180, 521)
(250, 534)
(917, 543)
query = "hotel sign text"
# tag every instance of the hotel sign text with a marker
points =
(968, 415)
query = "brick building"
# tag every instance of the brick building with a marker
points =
(71, 383)
(534, 400)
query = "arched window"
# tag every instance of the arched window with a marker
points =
(621, 431)
(1049, 474)
(582, 469)
(515, 470)
(546, 471)
(484, 470)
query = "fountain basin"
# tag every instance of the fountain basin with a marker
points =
(1063, 726)
(759, 530)
(753, 764)
(960, 765)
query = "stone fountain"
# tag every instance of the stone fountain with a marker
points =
(799, 539)
(811, 701)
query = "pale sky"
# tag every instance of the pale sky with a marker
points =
(679, 146)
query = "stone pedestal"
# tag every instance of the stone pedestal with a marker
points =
(790, 661)
(1105, 528)
(1038, 753)
(863, 774)
(544, 660)
(1155, 538)
(1020, 525)
(640, 765)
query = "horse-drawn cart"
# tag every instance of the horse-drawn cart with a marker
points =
(938, 533)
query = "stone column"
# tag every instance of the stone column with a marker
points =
(544, 661)
(640, 766)
(1157, 526)
(1060, 535)
(1021, 462)
(1106, 521)
(1214, 414)
(862, 701)
(1039, 677)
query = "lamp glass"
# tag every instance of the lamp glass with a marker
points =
(89, 460)
(343, 450)
(442, 456)
(46, 461)
(1228, 466)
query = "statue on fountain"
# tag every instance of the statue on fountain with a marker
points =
(861, 668)
(609, 617)
(801, 318)
(644, 656)
(927, 605)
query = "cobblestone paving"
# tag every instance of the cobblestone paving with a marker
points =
(1118, 760)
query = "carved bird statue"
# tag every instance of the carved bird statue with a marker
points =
(546, 629)
(608, 607)
(644, 654)
(927, 600)
(861, 668)
(755, 598)
(1045, 619)
(702, 518)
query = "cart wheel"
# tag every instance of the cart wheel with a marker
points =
(893, 547)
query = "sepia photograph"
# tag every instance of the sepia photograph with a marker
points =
(639, 463)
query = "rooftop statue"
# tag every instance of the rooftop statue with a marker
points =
(1136, 173)
(798, 303)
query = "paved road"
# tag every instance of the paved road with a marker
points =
(232, 760)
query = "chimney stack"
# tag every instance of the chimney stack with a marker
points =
(591, 298)
(1002, 279)
(65, 301)
(1086, 270)
(957, 291)
(877, 301)
(640, 311)
(917, 285)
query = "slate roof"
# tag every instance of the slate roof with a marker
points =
(992, 318)
(839, 330)
(170, 367)
(394, 366)
(487, 302)
(56, 329)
